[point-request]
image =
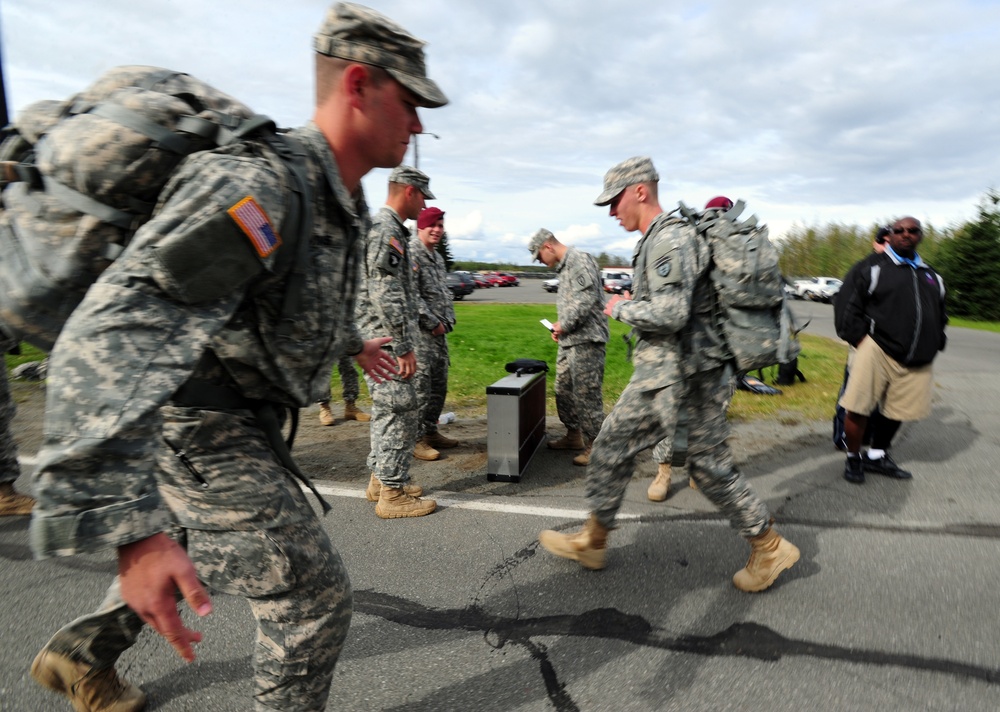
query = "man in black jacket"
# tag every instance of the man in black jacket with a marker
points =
(891, 308)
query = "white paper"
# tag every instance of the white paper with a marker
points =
(547, 324)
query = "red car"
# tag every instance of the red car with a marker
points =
(506, 279)
(481, 281)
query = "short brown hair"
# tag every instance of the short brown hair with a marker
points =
(328, 72)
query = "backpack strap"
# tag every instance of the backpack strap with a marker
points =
(296, 227)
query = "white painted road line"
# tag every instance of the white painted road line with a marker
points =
(482, 504)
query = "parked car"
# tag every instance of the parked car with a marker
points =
(506, 279)
(494, 279)
(818, 289)
(551, 285)
(481, 282)
(618, 285)
(460, 284)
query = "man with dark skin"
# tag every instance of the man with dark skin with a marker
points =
(891, 308)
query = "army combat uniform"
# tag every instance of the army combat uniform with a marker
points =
(159, 389)
(435, 306)
(387, 307)
(679, 359)
(582, 344)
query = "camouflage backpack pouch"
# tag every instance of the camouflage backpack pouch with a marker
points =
(81, 175)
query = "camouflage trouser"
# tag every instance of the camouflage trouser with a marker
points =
(9, 468)
(641, 418)
(579, 384)
(274, 553)
(394, 425)
(349, 382)
(673, 442)
(431, 380)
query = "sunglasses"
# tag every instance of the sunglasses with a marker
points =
(906, 230)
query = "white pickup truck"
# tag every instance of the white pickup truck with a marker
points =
(817, 289)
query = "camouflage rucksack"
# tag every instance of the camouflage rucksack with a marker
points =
(755, 319)
(81, 176)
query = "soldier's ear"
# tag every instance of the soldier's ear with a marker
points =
(356, 82)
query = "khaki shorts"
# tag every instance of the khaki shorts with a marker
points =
(876, 379)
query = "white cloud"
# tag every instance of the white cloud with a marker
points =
(813, 113)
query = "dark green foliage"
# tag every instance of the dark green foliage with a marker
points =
(969, 263)
(445, 251)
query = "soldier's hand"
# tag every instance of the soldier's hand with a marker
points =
(407, 365)
(151, 572)
(438, 330)
(375, 361)
(615, 298)
(556, 331)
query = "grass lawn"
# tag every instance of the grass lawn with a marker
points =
(490, 335)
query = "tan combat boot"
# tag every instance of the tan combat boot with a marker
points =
(395, 503)
(583, 459)
(770, 554)
(660, 485)
(351, 412)
(89, 689)
(439, 441)
(13, 504)
(573, 440)
(375, 487)
(587, 546)
(326, 415)
(423, 451)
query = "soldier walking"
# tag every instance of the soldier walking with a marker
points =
(168, 383)
(679, 359)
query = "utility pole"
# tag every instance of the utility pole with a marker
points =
(416, 147)
(4, 120)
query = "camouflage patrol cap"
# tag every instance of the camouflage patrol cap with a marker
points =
(638, 169)
(537, 240)
(411, 176)
(360, 34)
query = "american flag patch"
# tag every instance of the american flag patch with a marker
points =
(395, 244)
(254, 223)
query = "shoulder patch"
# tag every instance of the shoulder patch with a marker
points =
(396, 244)
(254, 223)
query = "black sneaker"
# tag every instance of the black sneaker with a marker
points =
(885, 465)
(853, 471)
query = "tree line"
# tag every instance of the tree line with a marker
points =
(967, 256)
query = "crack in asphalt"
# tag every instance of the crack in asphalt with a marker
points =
(741, 640)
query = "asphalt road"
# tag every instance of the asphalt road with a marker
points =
(892, 607)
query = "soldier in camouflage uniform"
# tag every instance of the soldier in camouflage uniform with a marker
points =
(387, 307)
(582, 334)
(436, 320)
(168, 381)
(11, 502)
(351, 389)
(681, 358)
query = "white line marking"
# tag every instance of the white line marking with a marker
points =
(458, 501)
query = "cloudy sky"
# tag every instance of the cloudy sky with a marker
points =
(813, 112)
